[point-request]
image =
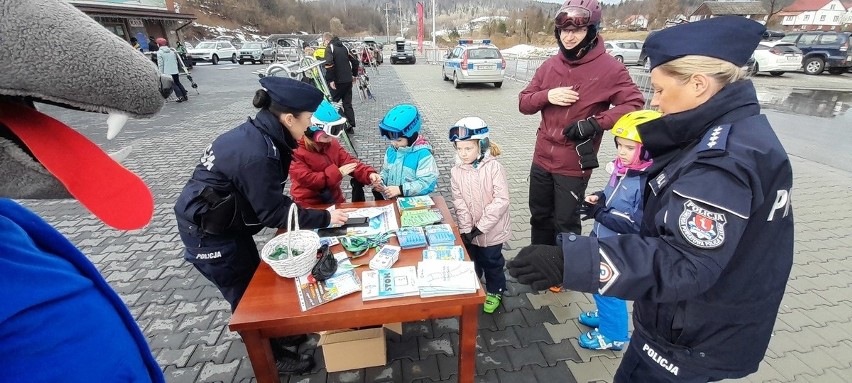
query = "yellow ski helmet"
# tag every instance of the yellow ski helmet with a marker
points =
(625, 127)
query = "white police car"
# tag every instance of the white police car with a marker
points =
(474, 61)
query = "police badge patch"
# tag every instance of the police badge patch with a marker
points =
(701, 227)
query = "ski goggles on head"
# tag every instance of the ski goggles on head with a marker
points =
(462, 133)
(573, 16)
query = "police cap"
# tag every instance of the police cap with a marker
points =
(729, 38)
(292, 94)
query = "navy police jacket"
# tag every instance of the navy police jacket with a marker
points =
(708, 270)
(253, 160)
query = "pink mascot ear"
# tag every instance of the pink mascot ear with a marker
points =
(112, 193)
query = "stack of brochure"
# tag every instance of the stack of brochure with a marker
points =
(420, 217)
(440, 235)
(411, 237)
(443, 253)
(417, 202)
(389, 283)
(439, 278)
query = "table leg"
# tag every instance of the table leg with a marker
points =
(467, 343)
(260, 354)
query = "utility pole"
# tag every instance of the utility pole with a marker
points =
(399, 7)
(434, 16)
(387, 21)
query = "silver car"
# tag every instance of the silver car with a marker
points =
(474, 61)
(625, 51)
(257, 52)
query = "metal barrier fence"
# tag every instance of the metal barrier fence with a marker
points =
(523, 69)
(434, 56)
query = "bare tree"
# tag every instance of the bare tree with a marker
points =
(663, 10)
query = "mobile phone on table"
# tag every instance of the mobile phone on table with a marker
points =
(356, 221)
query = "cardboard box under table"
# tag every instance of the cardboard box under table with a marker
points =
(270, 308)
(355, 349)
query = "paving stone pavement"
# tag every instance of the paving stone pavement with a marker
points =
(532, 337)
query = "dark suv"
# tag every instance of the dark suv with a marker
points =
(822, 50)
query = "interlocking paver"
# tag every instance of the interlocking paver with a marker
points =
(392, 372)
(426, 368)
(537, 334)
(553, 353)
(435, 346)
(498, 339)
(526, 356)
(493, 360)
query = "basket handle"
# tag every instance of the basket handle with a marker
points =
(293, 217)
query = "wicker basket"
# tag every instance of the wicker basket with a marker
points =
(305, 241)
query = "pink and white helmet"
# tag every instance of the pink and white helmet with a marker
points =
(578, 14)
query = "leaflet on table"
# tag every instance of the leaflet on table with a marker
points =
(411, 237)
(344, 282)
(437, 278)
(416, 202)
(420, 217)
(389, 283)
(382, 220)
(444, 253)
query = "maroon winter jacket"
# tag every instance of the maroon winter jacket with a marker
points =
(600, 82)
(312, 172)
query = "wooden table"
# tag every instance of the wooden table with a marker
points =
(270, 309)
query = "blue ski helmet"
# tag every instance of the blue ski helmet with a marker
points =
(327, 118)
(401, 121)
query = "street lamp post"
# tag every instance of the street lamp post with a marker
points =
(434, 16)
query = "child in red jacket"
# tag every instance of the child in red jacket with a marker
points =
(318, 167)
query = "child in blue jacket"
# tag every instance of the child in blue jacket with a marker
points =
(409, 168)
(617, 210)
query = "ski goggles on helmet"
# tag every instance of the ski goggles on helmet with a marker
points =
(392, 133)
(573, 16)
(463, 133)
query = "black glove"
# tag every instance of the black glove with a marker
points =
(592, 210)
(583, 129)
(467, 238)
(586, 151)
(539, 266)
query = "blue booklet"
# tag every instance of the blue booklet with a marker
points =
(443, 253)
(440, 235)
(411, 237)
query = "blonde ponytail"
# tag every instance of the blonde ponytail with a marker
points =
(494, 148)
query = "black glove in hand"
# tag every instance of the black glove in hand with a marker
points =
(592, 210)
(586, 151)
(539, 266)
(467, 238)
(582, 130)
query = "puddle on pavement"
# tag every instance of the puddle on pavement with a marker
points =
(819, 103)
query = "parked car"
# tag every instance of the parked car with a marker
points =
(625, 51)
(212, 51)
(404, 52)
(288, 47)
(776, 58)
(474, 61)
(643, 56)
(822, 51)
(258, 52)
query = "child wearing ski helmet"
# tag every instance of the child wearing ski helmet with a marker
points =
(409, 168)
(617, 210)
(481, 199)
(320, 163)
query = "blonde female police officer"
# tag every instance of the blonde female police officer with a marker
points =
(708, 270)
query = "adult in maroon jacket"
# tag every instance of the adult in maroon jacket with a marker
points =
(318, 168)
(573, 90)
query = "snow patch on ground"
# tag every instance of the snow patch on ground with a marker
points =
(524, 50)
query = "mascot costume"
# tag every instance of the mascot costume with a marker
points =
(59, 319)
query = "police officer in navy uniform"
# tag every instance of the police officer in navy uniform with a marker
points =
(708, 270)
(237, 189)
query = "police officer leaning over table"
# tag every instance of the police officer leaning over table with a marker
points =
(708, 270)
(237, 189)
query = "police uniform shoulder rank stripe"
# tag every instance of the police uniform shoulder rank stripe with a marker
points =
(271, 149)
(700, 227)
(715, 139)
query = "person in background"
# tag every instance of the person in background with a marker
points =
(341, 70)
(320, 163)
(617, 210)
(409, 168)
(237, 189)
(480, 191)
(573, 91)
(169, 64)
(153, 47)
(135, 44)
(708, 270)
(181, 50)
